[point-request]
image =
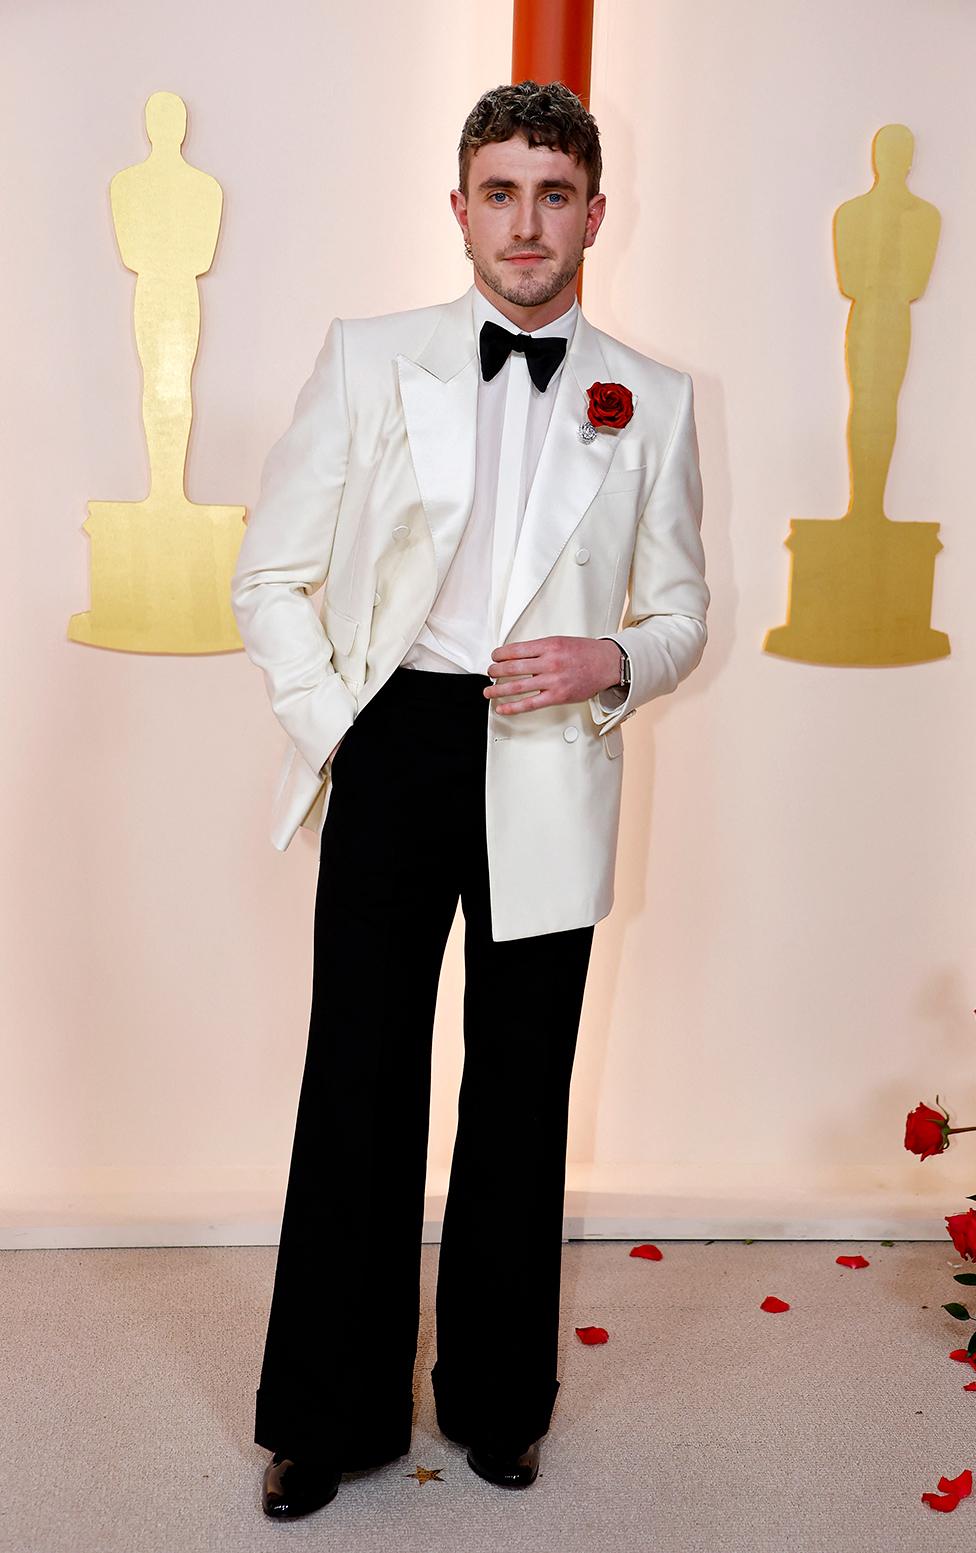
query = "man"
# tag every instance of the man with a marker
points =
(481, 485)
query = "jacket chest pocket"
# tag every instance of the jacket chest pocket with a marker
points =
(621, 480)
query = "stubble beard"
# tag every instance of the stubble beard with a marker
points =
(528, 288)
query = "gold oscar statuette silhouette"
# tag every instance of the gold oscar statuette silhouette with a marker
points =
(161, 567)
(861, 585)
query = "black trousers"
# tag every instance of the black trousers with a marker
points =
(403, 839)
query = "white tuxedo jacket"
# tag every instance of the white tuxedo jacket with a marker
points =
(368, 492)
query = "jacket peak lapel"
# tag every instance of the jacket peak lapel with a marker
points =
(568, 475)
(439, 395)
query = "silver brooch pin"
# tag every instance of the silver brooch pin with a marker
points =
(587, 431)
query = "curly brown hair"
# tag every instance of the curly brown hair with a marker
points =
(548, 115)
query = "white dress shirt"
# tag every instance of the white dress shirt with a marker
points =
(459, 633)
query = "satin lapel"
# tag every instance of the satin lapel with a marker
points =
(568, 475)
(439, 394)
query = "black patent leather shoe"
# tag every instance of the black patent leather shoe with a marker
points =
(293, 1488)
(508, 1469)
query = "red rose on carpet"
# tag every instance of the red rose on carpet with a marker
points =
(592, 1334)
(773, 1304)
(610, 404)
(926, 1131)
(652, 1253)
(962, 1230)
(852, 1261)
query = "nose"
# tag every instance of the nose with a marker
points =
(527, 224)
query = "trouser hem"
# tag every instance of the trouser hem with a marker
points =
(279, 1427)
(504, 1426)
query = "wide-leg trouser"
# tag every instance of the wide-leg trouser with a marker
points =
(403, 839)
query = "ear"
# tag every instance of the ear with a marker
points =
(595, 212)
(459, 205)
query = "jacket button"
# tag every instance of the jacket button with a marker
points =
(376, 598)
(400, 530)
(582, 555)
(569, 734)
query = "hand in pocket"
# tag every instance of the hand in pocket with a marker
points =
(327, 764)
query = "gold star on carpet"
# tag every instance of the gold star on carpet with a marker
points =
(425, 1475)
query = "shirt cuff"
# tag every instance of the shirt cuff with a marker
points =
(611, 698)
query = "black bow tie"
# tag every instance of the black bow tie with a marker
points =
(542, 356)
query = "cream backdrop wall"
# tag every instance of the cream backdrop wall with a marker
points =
(790, 964)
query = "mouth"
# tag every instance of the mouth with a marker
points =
(525, 258)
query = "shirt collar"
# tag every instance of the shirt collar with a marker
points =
(483, 310)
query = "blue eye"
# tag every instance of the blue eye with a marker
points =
(552, 194)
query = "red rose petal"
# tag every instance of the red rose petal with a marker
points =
(960, 1486)
(941, 1501)
(652, 1253)
(773, 1304)
(592, 1334)
(963, 1356)
(853, 1261)
(970, 1385)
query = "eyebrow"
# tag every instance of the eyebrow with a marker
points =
(512, 183)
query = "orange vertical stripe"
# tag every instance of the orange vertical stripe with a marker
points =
(552, 40)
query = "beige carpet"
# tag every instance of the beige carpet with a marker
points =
(703, 1424)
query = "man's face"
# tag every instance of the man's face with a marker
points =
(527, 200)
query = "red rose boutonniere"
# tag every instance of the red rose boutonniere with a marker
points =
(610, 405)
